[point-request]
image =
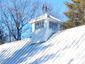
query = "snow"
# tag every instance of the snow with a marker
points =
(65, 47)
(6, 50)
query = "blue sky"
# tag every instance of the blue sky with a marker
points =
(60, 8)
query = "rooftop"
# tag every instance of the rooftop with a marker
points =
(44, 16)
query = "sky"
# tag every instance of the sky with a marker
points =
(60, 7)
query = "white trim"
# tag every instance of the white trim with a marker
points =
(45, 16)
(54, 18)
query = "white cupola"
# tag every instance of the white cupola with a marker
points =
(43, 27)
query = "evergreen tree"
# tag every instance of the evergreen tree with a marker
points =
(74, 13)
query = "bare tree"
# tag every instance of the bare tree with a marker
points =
(16, 16)
(2, 37)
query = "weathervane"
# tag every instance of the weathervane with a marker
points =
(45, 8)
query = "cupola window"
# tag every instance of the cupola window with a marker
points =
(39, 25)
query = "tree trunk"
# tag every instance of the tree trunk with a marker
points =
(18, 34)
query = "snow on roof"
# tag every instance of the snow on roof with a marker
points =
(7, 49)
(45, 16)
(66, 47)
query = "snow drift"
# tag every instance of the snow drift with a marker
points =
(66, 47)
